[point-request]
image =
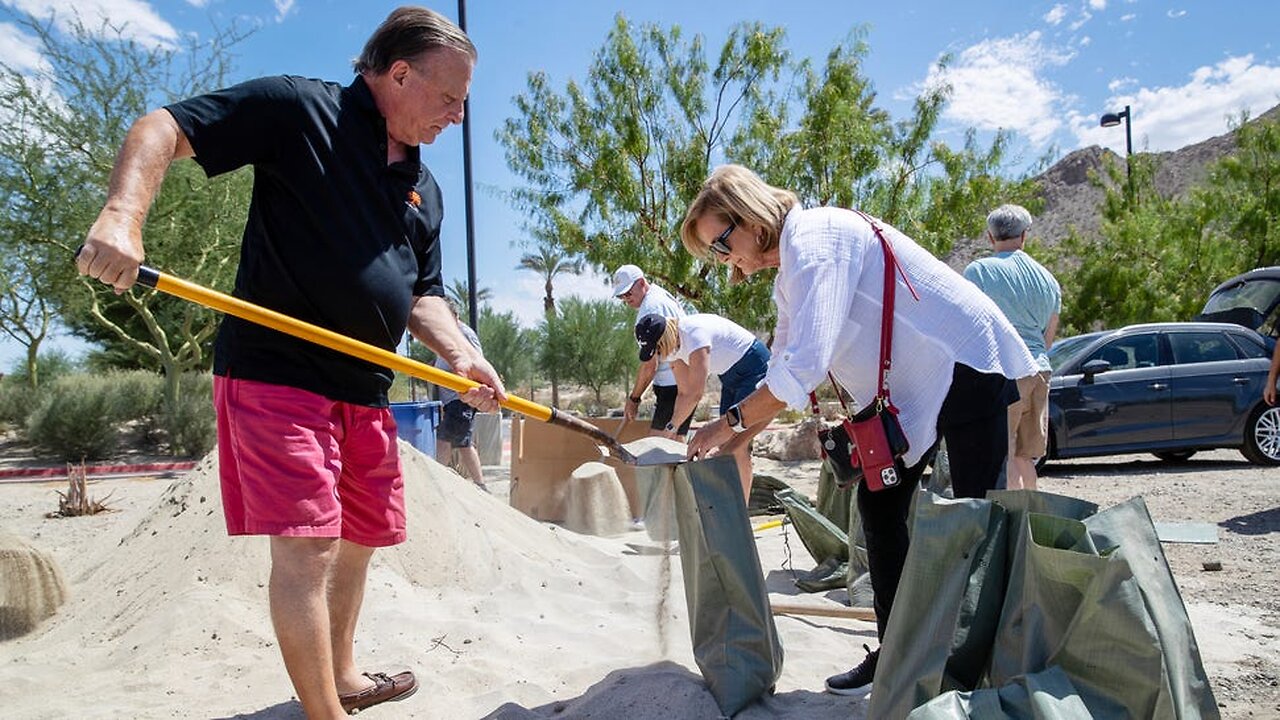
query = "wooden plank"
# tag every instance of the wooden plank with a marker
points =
(836, 611)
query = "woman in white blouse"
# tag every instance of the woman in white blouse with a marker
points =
(952, 358)
(698, 345)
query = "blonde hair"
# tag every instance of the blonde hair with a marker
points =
(737, 195)
(670, 340)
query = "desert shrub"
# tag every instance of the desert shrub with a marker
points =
(16, 400)
(192, 426)
(139, 393)
(76, 418)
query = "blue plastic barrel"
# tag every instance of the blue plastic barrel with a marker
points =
(416, 424)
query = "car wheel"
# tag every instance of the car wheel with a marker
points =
(1175, 456)
(1262, 436)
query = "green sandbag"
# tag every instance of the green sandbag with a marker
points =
(735, 642)
(828, 575)
(822, 538)
(1047, 695)
(948, 600)
(832, 501)
(1129, 646)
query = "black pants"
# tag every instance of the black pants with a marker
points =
(974, 421)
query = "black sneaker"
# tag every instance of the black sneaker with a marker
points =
(852, 682)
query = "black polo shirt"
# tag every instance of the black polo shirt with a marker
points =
(335, 235)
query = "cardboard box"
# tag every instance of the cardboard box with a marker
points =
(543, 456)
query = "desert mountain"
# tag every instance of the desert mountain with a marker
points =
(1071, 200)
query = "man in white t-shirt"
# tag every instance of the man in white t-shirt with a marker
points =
(633, 288)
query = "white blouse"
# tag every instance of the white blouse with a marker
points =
(829, 293)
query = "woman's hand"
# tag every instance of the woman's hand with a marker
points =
(708, 439)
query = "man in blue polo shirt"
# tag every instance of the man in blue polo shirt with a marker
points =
(343, 232)
(1030, 297)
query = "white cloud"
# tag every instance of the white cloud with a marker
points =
(1098, 4)
(1121, 83)
(1086, 41)
(1175, 14)
(1056, 15)
(283, 8)
(522, 293)
(1128, 17)
(1085, 16)
(136, 19)
(1168, 118)
(20, 51)
(997, 84)
(198, 3)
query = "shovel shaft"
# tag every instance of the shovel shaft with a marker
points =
(332, 340)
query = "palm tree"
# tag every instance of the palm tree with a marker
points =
(458, 291)
(551, 260)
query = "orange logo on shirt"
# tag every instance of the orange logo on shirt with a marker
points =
(414, 198)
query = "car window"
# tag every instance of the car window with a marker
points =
(1200, 347)
(1260, 295)
(1127, 353)
(1249, 347)
(1066, 348)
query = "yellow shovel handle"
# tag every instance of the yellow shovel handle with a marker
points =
(328, 338)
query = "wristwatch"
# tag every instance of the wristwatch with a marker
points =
(733, 416)
(671, 427)
(634, 398)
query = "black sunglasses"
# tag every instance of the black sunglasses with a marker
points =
(719, 246)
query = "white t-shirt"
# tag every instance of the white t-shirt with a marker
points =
(659, 301)
(727, 340)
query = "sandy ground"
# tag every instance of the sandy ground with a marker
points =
(502, 616)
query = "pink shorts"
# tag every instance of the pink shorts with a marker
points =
(297, 464)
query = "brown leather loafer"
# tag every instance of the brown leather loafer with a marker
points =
(385, 689)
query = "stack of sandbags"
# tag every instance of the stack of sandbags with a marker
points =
(595, 503)
(31, 587)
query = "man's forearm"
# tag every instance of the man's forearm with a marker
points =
(151, 145)
(431, 323)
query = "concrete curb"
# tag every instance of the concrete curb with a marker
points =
(44, 474)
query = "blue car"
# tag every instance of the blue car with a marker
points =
(1169, 389)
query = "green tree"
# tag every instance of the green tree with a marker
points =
(590, 343)
(549, 262)
(610, 165)
(77, 109)
(459, 293)
(508, 347)
(1158, 258)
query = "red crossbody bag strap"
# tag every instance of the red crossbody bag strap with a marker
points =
(886, 315)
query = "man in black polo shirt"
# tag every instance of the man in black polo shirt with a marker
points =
(343, 232)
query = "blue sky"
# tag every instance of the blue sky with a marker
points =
(1043, 70)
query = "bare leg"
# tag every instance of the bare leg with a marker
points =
(300, 568)
(346, 595)
(444, 453)
(1026, 469)
(471, 464)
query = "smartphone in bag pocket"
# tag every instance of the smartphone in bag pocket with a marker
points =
(878, 440)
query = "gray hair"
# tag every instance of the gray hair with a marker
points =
(1008, 222)
(407, 34)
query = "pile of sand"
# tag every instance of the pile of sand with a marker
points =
(497, 613)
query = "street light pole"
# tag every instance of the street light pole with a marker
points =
(472, 312)
(1113, 119)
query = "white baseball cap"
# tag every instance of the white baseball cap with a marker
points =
(624, 277)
